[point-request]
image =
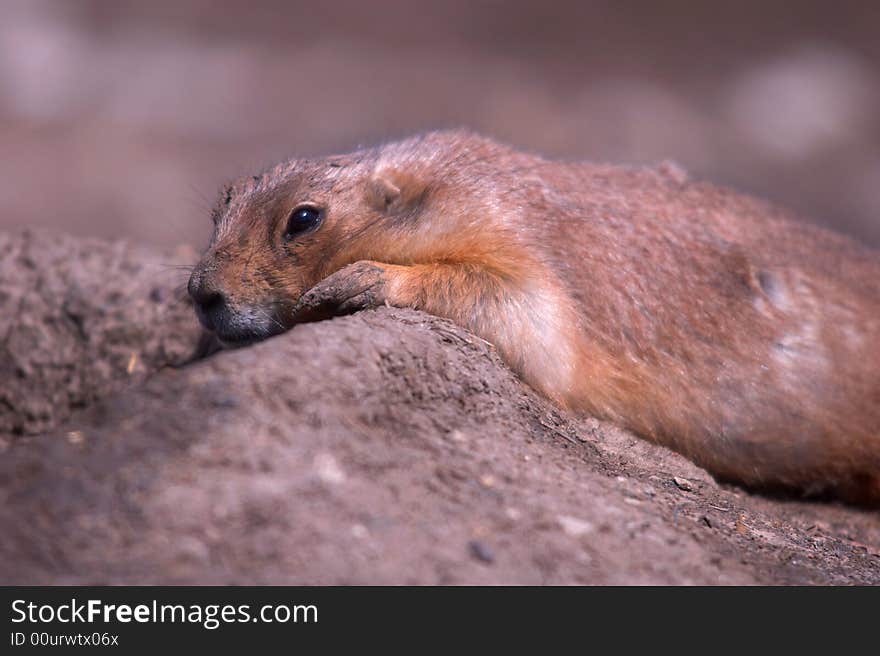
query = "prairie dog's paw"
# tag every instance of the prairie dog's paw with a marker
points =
(355, 287)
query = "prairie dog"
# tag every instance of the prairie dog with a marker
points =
(702, 319)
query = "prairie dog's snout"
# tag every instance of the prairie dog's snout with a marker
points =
(236, 322)
(208, 301)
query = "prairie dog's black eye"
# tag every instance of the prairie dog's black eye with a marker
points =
(302, 219)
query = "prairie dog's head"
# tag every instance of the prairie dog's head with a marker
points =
(279, 233)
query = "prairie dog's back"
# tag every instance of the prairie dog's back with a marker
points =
(761, 330)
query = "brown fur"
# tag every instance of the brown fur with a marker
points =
(699, 318)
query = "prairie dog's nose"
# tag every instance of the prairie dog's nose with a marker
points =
(209, 301)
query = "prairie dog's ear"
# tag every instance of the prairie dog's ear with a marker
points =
(392, 189)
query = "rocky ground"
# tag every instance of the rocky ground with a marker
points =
(386, 447)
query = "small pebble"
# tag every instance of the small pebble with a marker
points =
(683, 484)
(328, 469)
(481, 551)
(574, 526)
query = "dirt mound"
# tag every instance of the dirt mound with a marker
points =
(77, 318)
(385, 447)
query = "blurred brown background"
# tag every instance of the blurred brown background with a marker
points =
(120, 119)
